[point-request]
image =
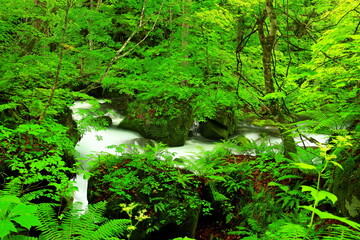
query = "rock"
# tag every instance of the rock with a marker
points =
(65, 118)
(170, 130)
(220, 127)
(213, 130)
(346, 187)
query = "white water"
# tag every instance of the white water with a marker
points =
(95, 142)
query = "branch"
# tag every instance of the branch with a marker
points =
(59, 65)
(119, 53)
(335, 60)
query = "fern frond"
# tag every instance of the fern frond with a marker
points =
(293, 231)
(84, 225)
(32, 195)
(255, 225)
(11, 188)
(49, 225)
(19, 237)
(216, 195)
(115, 227)
(340, 232)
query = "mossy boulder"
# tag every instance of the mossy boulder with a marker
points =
(171, 130)
(347, 188)
(222, 126)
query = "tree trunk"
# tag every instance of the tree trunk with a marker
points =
(268, 45)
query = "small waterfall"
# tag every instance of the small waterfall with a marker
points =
(80, 195)
(195, 129)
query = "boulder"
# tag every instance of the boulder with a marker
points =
(346, 187)
(171, 130)
(222, 126)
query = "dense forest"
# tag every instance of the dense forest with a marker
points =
(167, 66)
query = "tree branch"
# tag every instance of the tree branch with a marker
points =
(119, 53)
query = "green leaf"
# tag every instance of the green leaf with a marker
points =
(27, 221)
(305, 166)
(274, 95)
(281, 186)
(326, 215)
(337, 164)
(6, 227)
(324, 194)
(22, 209)
(312, 191)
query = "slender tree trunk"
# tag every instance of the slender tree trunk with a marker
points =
(268, 42)
(58, 69)
(185, 31)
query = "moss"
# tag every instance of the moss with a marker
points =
(346, 187)
(222, 126)
(353, 206)
(170, 130)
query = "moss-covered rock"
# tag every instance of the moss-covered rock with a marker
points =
(347, 188)
(171, 130)
(222, 126)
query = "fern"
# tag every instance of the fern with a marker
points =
(10, 105)
(340, 232)
(19, 237)
(114, 227)
(293, 231)
(87, 226)
(255, 225)
(216, 195)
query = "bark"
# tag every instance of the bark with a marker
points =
(58, 69)
(268, 42)
(185, 32)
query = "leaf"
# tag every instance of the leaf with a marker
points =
(274, 95)
(337, 164)
(305, 166)
(288, 177)
(326, 215)
(312, 191)
(217, 178)
(281, 186)
(21, 209)
(6, 227)
(27, 221)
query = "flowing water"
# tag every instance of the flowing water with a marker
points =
(95, 142)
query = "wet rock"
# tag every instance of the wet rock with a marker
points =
(222, 126)
(171, 130)
(346, 187)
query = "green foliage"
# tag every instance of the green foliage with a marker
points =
(34, 153)
(71, 225)
(284, 230)
(12, 210)
(340, 232)
(175, 56)
(169, 193)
